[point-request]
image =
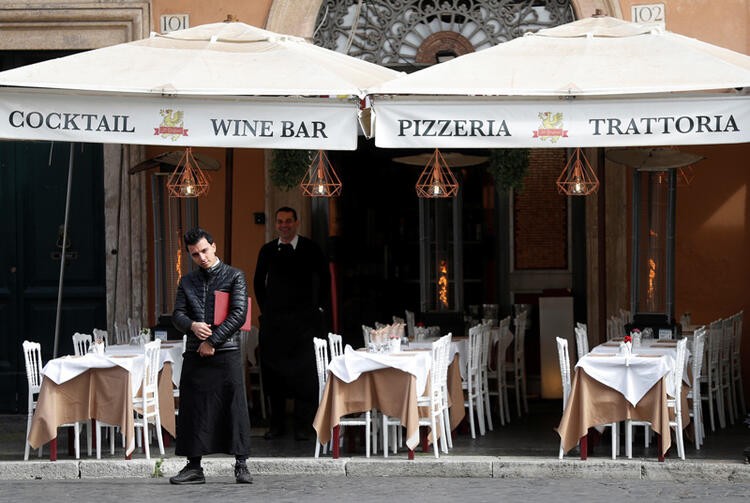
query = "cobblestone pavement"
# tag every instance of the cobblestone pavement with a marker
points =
(372, 489)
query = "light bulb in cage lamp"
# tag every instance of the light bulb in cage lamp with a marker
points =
(187, 180)
(436, 180)
(577, 177)
(321, 179)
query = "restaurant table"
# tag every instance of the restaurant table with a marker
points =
(389, 383)
(99, 387)
(635, 388)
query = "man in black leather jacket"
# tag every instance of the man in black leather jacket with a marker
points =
(213, 414)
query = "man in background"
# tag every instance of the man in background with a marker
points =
(292, 287)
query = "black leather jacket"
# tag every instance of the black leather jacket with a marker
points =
(195, 302)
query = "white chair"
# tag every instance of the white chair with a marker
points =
(484, 385)
(517, 366)
(694, 395)
(32, 352)
(736, 363)
(145, 405)
(121, 335)
(471, 383)
(582, 341)
(81, 343)
(674, 403)
(725, 369)
(366, 333)
(711, 378)
(134, 329)
(564, 359)
(435, 400)
(321, 360)
(103, 334)
(336, 344)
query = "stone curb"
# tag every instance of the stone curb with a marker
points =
(422, 466)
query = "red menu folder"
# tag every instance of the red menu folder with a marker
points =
(221, 309)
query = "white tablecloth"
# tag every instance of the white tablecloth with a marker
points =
(349, 366)
(128, 357)
(66, 368)
(634, 377)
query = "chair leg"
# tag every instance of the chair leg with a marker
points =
(367, 433)
(628, 439)
(146, 447)
(385, 436)
(471, 416)
(28, 430)
(613, 427)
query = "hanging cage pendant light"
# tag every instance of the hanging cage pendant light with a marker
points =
(436, 179)
(577, 177)
(321, 179)
(187, 179)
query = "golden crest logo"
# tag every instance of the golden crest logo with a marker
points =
(552, 127)
(171, 124)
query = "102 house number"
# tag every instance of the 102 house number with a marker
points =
(651, 13)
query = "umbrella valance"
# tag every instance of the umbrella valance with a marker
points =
(221, 84)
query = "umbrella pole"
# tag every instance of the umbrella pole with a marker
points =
(63, 252)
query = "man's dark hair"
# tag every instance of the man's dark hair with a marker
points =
(192, 236)
(287, 209)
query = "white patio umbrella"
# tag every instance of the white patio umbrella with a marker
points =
(220, 85)
(594, 82)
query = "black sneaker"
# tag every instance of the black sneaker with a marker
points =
(242, 474)
(189, 475)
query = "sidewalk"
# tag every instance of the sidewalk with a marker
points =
(527, 447)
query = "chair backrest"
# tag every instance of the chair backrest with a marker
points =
(696, 364)
(184, 341)
(32, 352)
(121, 334)
(679, 370)
(321, 363)
(504, 340)
(366, 335)
(103, 334)
(485, 346)
(439, 370)
(409, 324)
(475, 352)
(133, 328)
(564, 358)
(399, 319)
(149, 398)
(81, 343)
(582, 341)
(336, 343)
(713, 342)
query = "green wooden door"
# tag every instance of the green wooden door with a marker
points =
(32, 206)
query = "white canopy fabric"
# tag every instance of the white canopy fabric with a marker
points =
(221, 84)
(594, 82)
